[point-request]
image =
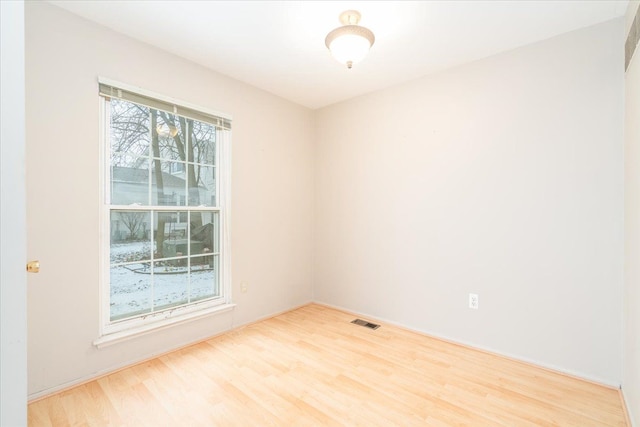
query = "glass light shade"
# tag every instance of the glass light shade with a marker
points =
(350, 43)
(349, 49)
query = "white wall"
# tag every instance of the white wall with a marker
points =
(503, 177)
(631, 370)
(13, 246)
(272, 183)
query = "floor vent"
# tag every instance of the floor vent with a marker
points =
(365, 324)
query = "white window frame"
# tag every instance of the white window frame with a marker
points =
(113, 332)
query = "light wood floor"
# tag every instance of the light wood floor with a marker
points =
(311, 367)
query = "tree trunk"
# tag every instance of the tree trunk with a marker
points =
(155, 145)
(194, 192)
(185, 147)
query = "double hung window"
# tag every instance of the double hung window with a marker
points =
(165, 220)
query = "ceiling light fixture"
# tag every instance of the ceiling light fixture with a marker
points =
(350, 43)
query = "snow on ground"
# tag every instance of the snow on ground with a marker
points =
(131, 251)
(132, 292)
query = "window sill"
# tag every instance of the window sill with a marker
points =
(136, 331)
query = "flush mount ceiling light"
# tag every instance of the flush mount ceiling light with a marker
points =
(350, 43)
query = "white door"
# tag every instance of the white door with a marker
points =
(13, 293)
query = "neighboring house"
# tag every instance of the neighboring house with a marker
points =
(131, 186)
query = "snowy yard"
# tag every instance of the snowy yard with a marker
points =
(134, 286)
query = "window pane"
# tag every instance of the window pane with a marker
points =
(129, 180)
(204, 277)
(129, 161)
(168, 187)
(170, 283)
(170, 132)
(130, 236)
(170, 231)
(204, 232)
(129, 128)
(130, 291)
(202, 185)
(203, 143)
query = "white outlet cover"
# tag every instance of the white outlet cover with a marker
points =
(473, 301)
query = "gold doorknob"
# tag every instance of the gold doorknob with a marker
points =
(33, 266)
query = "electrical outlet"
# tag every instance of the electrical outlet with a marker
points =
(473, 301)
(243, 287)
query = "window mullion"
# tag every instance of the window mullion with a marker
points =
(189, 231)
(163, 208)
(152, 264)
(188, 149)
(150, 165)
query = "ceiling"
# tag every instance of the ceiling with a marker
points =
(279, 46)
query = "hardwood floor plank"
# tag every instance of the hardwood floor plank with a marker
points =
(312, 367)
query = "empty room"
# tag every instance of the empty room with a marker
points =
(319, 213)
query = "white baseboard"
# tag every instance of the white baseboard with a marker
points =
(101, 373)
(518, 358)
(627, 409)
(112, 369)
